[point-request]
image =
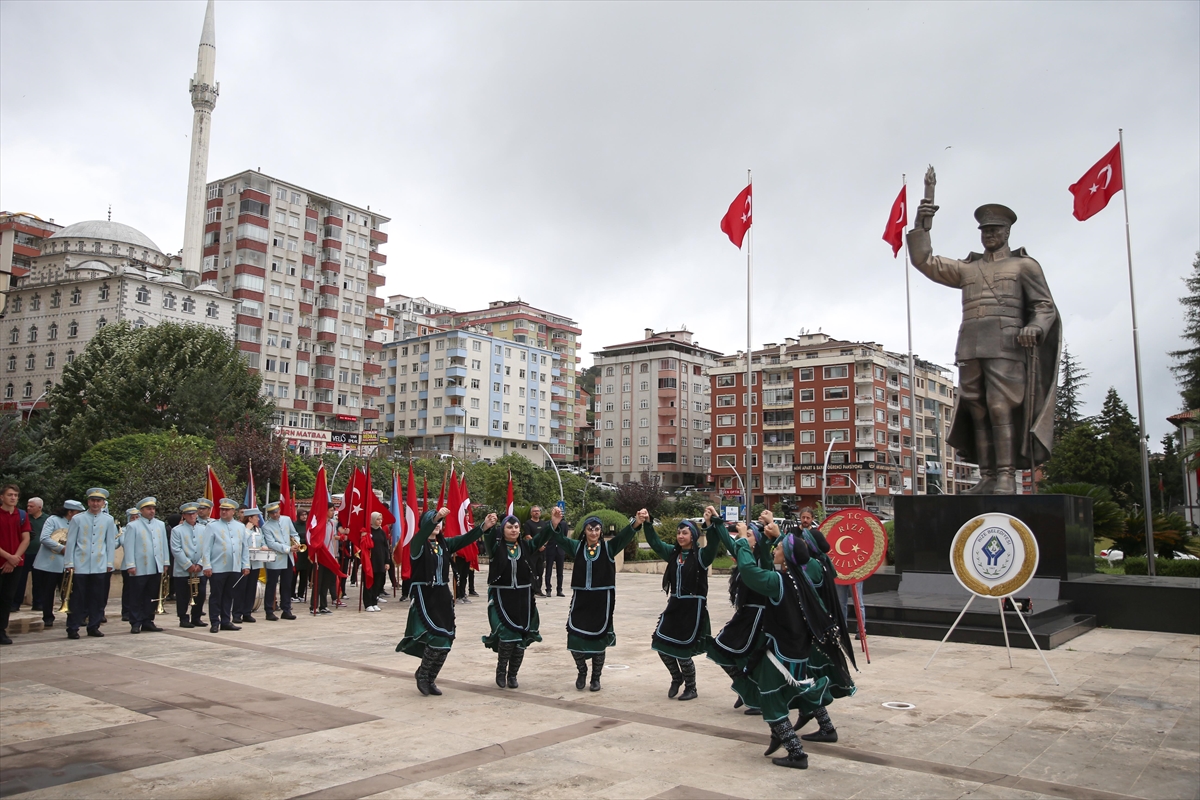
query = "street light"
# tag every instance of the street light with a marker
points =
(34, 405)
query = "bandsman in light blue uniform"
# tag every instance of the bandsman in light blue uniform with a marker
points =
(228, 561)
(131, 514)
(203, 511)
(247, 589)
(146, 555)
(277, 535)
(189, 559)
(49, 560)
(91, 545)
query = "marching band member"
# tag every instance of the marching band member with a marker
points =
(48, 565)
(303, 564)
(683, 628)
(146, 548)
(246, 589)
(430, 630)
(189, 560)
(131, 514)
(593, 590)
(203, 511)
(91, 546)
(512, 610)
(228, 561)
(277, 534)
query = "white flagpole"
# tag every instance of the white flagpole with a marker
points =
(749, 487)
(912, 379)
(1137, 367)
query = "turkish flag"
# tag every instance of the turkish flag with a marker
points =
(318, 517)
(213, 490)
(1097, 186)
(451, 527)
(893, 234)
(286, 506)
(354, 514)
(508, 499)
(467, 523)
(738, 218)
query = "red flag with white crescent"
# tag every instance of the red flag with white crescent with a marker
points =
(739, 217)
(1097, 186)
(508, 501)
(893, 234)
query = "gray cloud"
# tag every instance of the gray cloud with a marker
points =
(581, 156)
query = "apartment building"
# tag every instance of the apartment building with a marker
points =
(304, 268)
(652, 409)
(585, 440)
(815, 395)
(86, 276)
(470, 394)
(413, 316)
(521, 323)
(21, 238)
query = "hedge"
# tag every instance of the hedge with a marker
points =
(1165, 567)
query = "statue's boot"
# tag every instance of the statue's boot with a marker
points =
(984, 455)
(1006, 474)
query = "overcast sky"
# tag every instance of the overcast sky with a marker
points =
(580, 156)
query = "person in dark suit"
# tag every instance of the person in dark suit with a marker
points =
(530, 530)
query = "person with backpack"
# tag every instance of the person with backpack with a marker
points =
(14, 541)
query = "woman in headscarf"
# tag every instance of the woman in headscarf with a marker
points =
(734, 648)
(512, 610)
(430, 630)
(683, 628)
(593, 590)
(380, 563)
(796, 630)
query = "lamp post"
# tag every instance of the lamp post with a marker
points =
(33, 405)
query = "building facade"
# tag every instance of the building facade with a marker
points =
(89, 275)
(21, 238)
(652, 409)
(816, 395)
(304, 269)
(585, 438)
(471, 395)
(413, 316)
(521, 323)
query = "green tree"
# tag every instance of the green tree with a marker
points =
(1108, 520)
(1082, 456)
(25, 460)
(1187, 368)
(141, 380)
(107, 463)
(1167, 466)
(1067, 404)
(1120, 432)
(646, 492)
(173, 473)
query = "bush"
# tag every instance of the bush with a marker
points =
(1165, 567)
(607, 517)
(890, 528)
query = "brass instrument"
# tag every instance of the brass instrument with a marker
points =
(66, 593)
(164, 588)
(59, 536)
(193, 590)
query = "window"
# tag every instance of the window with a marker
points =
(725, 399)
(837, 435)
(77, 295)
(56, 299)
(101, 323)
(808, 415)
(212, 310)
(726, 380)
(837, 414)
(104, 292)
(839, 371)
(33, 333)
(35, 303)
(808, 437)
(725, 420)
(50, 360)
(837, 392)
(807, 395)
(805, 373)
(727, 440)
(169, 301)
(142, 294)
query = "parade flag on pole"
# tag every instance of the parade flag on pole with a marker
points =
(442, 494)
(318, 519)
(411, 518)
(249, 501)
(893, 234)
(425, 494)
(508, 501)
(738, 218)
(212, 489)
(451, 527)
(374, 504)
(1097, 186)
(466, 523)
(287, 506)
(366, 543)
(397, 528)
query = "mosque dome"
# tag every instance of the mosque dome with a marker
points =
(93, 266)
(107, 231)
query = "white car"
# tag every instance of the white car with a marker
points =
(608, 487)
(1112, 556)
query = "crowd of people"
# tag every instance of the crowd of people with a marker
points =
(785, 648)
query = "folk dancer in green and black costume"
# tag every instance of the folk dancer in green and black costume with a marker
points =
(826, 660)
(430, 630)
(800, 665)
(512, 610)
(594, 590)
(683, 628)
(734, 649)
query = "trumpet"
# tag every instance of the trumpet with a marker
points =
(164, 588)
(193, 590)
(299, 546)
(65, 608)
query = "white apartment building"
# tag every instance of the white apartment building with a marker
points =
(413, 316)
(86, 276)
(652, 409)
(304, 269)
(470, 394)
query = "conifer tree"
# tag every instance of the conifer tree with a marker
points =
(1187, 370)
(1067, 405)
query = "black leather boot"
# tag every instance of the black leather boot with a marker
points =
(672, 665)
(514, 664)
(597, 669)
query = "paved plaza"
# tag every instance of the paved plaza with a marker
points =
(324, 708)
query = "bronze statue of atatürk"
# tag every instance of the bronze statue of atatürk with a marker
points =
(1008, 347)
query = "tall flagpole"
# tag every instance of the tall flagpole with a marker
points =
(749, 487)
(1137, 367)
(912, 379)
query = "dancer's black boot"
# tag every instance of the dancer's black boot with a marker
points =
(688, 668)
(597, 668)
(503, 655)
(581, 665)
(672, 665)
(827, 733)
(436, 662)
(782, 733)
(514, 664)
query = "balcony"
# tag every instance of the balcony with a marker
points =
(784, 467)
(456, 391)
(457, 352)
(456, 371)
(779, 445)
(861, 443)
(864, 399)
(789, 488)
(455, 411)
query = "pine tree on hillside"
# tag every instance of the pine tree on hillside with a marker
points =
(1187, 371)
(1120, 432)
(1067, 405)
